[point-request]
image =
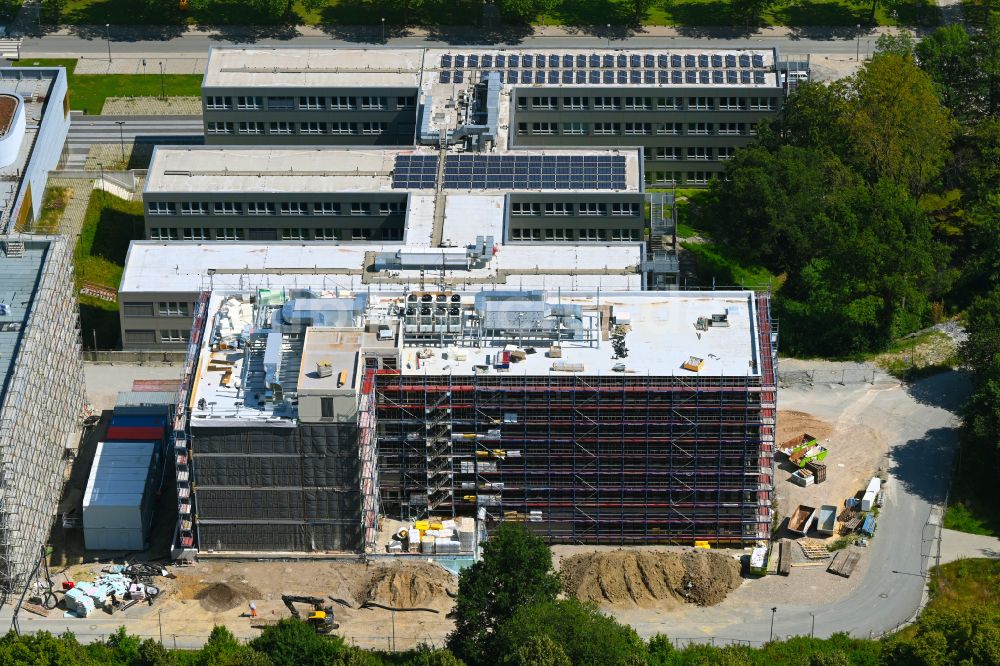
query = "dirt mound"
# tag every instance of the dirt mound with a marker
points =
(630, 577)
(219, 597)
(792, 424)
(408, 586)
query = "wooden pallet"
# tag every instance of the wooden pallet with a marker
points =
(35, 608)
(814, 550)
(844, 563)
(99, 291)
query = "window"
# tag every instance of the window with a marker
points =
(590, 208)
(360, 208)
(312, 128)
(390, 207)
(731, 103)
(557, 234)
(230, 234)
(194, 208)
(172, 309)
(726, 152)
(544, 103)
(522, 129)
(214, 103)
(731, 128)
(163, 233)
(294, 234)
(226, 208)
(140, 337)
(160, 208)
(700, 103)
(522, 103)
(392, 233)
(575, 103)
(195, 233)
(251, 128)
(667, 153)
(245, 103)
(326, 208)
(213, 127)
(341, 103)
(699, 128)
(607, 103)
(699, 153)
(525, 208)
(406, 102)
(573, 128)
(372, 103)
(625, 209)
(280, 127)
(324, 234)
(592, 234)
(668, 128)
(280, 103)
(173, 335)
(372, 128)
(294, 208)
(638, 103)
(343, 128)
(698, 177)
(311, 103)
(326, 408)
(668, 103)
(543, 128)
(760, 103)
(360, 234)
(624, 235)
(633, 129)
(664, 177)
(557, 208)
(605, 128)
(260, 208)
(138, 309)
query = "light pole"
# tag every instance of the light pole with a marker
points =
(383, 30)
(609, 35)
(143, 65)
(812, 632)
(857, 50)
(163, 90)
(121, 135)
(159, 619)
(774, 609)
(107, 33)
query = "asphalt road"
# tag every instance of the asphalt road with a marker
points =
(87, 130)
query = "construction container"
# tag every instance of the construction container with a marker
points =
(802, 477)
(799, 521)
(868, 499)
(818, 470)
(134, 434)
(826, 520)
(121, 491)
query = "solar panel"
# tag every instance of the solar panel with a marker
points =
(622, 60)
(460, 61)
(703, 60)
(553, 76)
(650, 76)
(662, 61)
(512, 61)
(689, 61)
(664, 77)
(744, 60)
(540, 61)
(526, 76)
(595, 60)
(446, 61)
(732, 77)
(444, 77)
(691, 76)
(609, 76)
(501, 60)
(717, 76)
(758, 61)
(622, 76)
(567, 61)
(705, 77)
(473, 61)
(744, 77)
(487, 60)
(635, 76)
(730, 60)
(581, 76)
(508, 172)
(758, 77)
(567, 76)
(716, 61)
(415, 171)
(647, 61)
(459, 76)
(608, 61)
(595, 76)
(676, 77)
(553, 61)
(511, 77)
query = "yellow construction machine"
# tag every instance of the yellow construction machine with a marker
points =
(320, 617)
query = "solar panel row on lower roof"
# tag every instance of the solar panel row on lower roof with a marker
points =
(635, 60)
(507, 172)
(622, 76)
(415, 171)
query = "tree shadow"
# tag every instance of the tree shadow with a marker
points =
(948, 390)
(824, 21)
(922, 466)
(115, 230)
(103, 323)
(377, 21)
(241, 34)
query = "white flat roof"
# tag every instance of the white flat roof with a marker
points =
(184, 266)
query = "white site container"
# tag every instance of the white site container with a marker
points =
(868, 500)
(118, 502)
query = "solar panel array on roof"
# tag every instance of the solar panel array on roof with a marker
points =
(415, 171)
(534, 172)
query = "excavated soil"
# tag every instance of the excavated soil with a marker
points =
(408, 586)
(220, 597)
(643, 578)
(792, 424)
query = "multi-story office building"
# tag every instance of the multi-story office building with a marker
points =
(688, 109)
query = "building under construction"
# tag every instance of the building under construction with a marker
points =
(41, 395)
(593, 417)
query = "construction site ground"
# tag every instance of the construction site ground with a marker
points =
(856, 414)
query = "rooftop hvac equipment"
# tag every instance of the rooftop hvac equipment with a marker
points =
(323, 311)
(566, 366)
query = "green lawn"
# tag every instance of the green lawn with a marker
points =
(468, 12)
(53, 205)
(87, 92)
(720, 264)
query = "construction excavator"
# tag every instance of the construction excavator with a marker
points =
(320, 616)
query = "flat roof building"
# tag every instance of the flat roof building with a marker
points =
(41, 394)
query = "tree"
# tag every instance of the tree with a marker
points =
(585, 635)
(639, 10)
(538, 650)
(750, 11)
(292, 642)
(896, 123)
(525, 11)
(811, 118)
(900, 44)
(947, 56)
(515, 570)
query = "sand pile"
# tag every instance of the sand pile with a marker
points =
(219, 597)
(630, 577)
(409, 586)
(792, 424)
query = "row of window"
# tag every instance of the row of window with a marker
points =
(680, 177)
(286, 128)
(363, 208)
(550, 234)
(637, 129)
(308, 103)
(148, 337)
(291, 234)
(689, 153)
(162, 308)
(566, 208)
(551, 103)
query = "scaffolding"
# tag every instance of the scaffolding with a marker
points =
(41, 399)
